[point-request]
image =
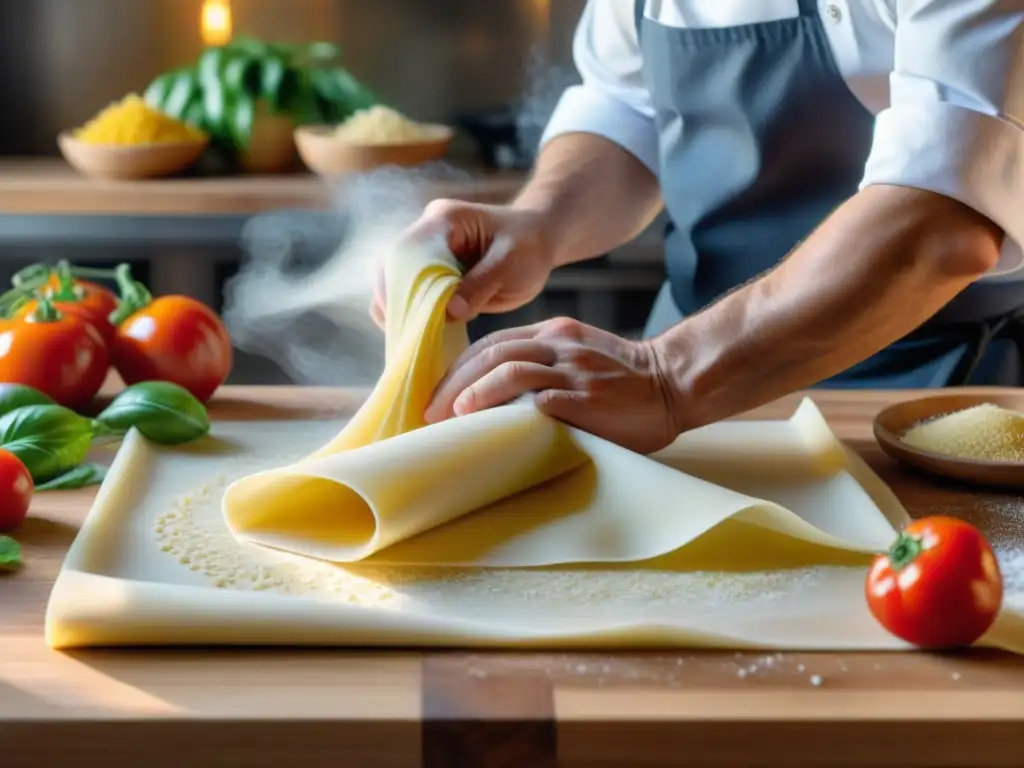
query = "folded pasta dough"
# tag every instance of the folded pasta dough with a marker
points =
(390, 488)
(383, 493)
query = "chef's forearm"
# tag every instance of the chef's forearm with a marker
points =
(593, 194)
(881, 265)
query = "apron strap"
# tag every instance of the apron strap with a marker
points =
(808, 7)
(1010, 325)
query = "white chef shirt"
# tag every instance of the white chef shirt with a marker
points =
(945, 79)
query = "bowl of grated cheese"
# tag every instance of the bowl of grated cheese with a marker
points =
(371, 138)
(973, 438)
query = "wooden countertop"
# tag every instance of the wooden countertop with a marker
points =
(270, 708)
(51, 186)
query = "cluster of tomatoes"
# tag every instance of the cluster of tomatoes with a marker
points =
(64, 341)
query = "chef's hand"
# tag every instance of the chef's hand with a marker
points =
(506, 249)
(591, 379)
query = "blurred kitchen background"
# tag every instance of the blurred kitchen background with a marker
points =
(491, 68)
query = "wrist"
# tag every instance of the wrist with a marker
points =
(685, 375)
(668, 368)
(543, 221)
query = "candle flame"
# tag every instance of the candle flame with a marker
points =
(215, 26)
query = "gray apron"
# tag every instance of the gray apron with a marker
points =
(760, 139)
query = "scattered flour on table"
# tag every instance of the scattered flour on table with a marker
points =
(1001, 520)
(1003, 525)
(193, 532)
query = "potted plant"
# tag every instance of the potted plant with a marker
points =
(249, 96)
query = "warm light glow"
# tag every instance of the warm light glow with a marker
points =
(216, 22)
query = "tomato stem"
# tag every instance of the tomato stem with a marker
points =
(45, 312)
(66, 289)
(102, 274)
(904, 551)
(134, 295)
(32, 277)
(25, 283)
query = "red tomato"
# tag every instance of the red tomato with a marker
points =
(16, 489)
(92, 303)
(59, 354)
(938, 586)
(176, 339)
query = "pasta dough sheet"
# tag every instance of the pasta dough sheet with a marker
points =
(509, 487)
(155, 563)
(501, 529)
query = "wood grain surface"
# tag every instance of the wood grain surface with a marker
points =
(445, 709)
(51, 186)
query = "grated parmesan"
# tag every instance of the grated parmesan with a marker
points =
(985, 432)
(381, 125)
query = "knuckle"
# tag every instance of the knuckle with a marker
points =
(565, 327)
(493, 356)
(583, 358)
(441, 208)
(594, 386)
(512, 371)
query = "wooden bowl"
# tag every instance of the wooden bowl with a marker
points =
(326, 155)
(893, 422)
(119, 163)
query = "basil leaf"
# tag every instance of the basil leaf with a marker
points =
(163, 412)
(242, 75)
(81, 476)
(211, 65)
(156, 93)
(250, 46)
(10, 554)
(240, 120)
(14, 396)
(272, 85)
(322, 51)
(49, 439)
(182, 91)
(289, 89)
(304, 108)
(215, 104)
(341, 90)
(195, 114)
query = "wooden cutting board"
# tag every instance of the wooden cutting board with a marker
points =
(281, 707)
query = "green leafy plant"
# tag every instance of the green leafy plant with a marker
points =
(219, 93)
(162, 411)
(10, 554)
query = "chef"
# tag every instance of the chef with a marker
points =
(844, 182)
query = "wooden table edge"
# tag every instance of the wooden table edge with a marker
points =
(462, 718)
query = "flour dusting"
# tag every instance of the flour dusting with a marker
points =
(194, 533)
(1003, 524)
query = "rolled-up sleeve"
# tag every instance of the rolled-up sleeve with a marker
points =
(612, 100)
(955, 124)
